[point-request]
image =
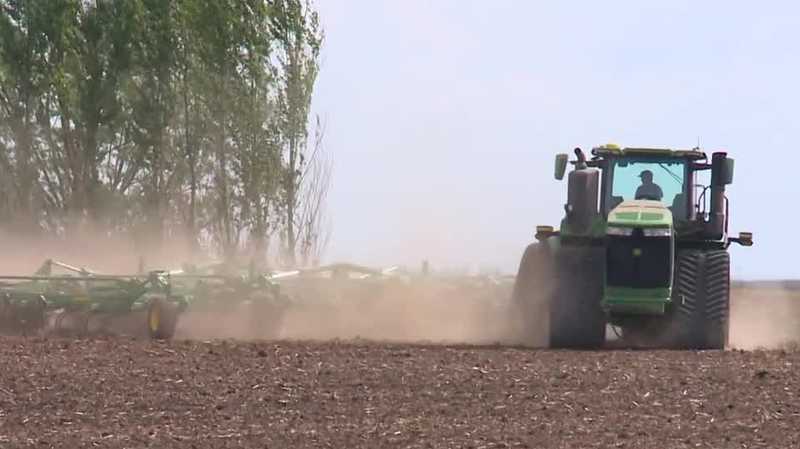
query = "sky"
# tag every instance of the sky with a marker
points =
(443, 117)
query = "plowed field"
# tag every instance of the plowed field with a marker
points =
(115, 392)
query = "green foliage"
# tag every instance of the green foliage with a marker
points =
(156, 118)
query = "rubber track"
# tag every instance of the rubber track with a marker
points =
(703, 279)
(717, 287)
(686, 280)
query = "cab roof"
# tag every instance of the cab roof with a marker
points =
(614, 150)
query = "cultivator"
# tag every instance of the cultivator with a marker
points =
(61, 298)
(87, 302)
(218, 299)
(335, 283)
(252, 299)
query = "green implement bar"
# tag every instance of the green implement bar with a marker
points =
(645, 301)
(97, 278)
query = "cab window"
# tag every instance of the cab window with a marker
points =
(648, 179)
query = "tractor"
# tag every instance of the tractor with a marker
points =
(642, 249)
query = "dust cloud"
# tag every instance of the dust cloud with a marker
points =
(764, 318)
(397, 314)
(100, 252)
(761, 318)
(234, 323)
(435, 318)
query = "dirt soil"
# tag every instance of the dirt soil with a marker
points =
(114, 392)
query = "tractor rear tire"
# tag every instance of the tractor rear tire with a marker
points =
(577, 320)
(162, 319)
(702, 284)
(531, 295)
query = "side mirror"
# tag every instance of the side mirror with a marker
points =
(561, 165)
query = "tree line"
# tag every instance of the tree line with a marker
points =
(164, 119)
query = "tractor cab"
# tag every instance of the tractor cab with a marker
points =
(646, 174)
(649, 186)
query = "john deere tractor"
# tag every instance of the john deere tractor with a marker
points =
(643, 247)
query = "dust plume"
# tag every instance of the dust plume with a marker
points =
(97, 251)
(413, 318)
(407, 313)
(764, 318)
(235, 323)
(454, 309)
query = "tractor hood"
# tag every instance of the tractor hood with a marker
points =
(640, 214)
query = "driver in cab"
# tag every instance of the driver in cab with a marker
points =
(648, 190)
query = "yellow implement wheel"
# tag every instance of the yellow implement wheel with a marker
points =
(154, 319)
(161, 319)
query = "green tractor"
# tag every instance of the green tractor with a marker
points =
(642, 249)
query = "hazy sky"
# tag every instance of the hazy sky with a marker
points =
(443, 117)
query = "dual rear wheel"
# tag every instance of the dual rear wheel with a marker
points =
(557, 297)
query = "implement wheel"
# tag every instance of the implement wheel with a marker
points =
(30, 318)
(162, 319)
